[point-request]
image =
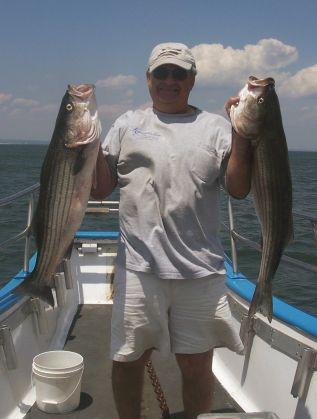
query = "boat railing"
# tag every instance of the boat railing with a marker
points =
(30, 193)
(108, 207)
(235, 237)
(102, 207)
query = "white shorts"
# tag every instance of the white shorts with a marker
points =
(185, 316)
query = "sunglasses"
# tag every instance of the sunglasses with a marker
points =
(162, 72)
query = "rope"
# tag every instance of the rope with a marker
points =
(158, 390)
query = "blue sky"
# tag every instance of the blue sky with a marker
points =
(45, 45)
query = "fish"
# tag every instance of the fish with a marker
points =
(256, 115)
(66, 178)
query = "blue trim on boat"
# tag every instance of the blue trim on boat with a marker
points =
(97, 234)
(239, 284)
(7, 296)
(236, 282)
(7, 299)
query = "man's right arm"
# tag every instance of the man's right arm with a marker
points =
(104, 181)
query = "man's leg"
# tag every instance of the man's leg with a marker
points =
(197, 382)
(127, 385)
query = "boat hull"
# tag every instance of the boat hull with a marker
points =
(262, 380)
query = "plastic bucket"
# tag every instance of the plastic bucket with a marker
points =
(57, 378)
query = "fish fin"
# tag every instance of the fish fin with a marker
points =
(266, 307)
(80, 161)
(30, 288)
(290, 236)
(247, 333)
(262, 301)
(69, 250)
(94, 179)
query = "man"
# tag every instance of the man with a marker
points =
(169, 161)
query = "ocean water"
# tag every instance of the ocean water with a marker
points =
(20, 166)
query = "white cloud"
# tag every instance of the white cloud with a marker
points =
(4, 97)
(117, 82)
(218, 65)
(31, 109)
(302, 83)
(25, 102)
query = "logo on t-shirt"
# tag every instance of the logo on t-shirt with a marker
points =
(146, 135)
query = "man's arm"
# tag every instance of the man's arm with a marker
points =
(238, 173)
(104, 181)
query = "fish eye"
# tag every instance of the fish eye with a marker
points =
(69, 107)
(261, 100)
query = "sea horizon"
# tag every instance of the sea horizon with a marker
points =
(45, 142)
(20, 168)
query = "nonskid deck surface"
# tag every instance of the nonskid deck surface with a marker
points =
(90, 336)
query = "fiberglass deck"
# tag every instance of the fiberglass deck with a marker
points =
(90, 337)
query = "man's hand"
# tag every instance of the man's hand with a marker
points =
(238, 174)
(104, 181)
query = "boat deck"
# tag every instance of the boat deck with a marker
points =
(90, 336)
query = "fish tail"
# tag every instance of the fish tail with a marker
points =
(30, 288)
(262, 301)
(266, 307)
(246, 333)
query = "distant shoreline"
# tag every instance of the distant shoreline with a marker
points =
(21, 142)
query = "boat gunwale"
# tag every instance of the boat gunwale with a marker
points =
(237, 283)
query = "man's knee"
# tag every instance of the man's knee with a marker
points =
(138, 363)
(194, 365)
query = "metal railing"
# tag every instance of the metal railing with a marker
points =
(100, 207)
(235, 236)
(106, 207)
(26, 233)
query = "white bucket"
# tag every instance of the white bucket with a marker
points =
(57, 378)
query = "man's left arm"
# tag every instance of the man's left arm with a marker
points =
(238, 173)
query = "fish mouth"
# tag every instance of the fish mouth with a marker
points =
(254, 82)
(88, 129)
(245, 109)
(241, 118)
(81, 91)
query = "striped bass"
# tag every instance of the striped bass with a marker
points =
(256, 115)
(65, 184)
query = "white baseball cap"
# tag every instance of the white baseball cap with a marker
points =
(172, 53)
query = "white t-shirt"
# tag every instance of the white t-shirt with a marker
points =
(169, 168)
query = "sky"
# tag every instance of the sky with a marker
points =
(46, 45)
